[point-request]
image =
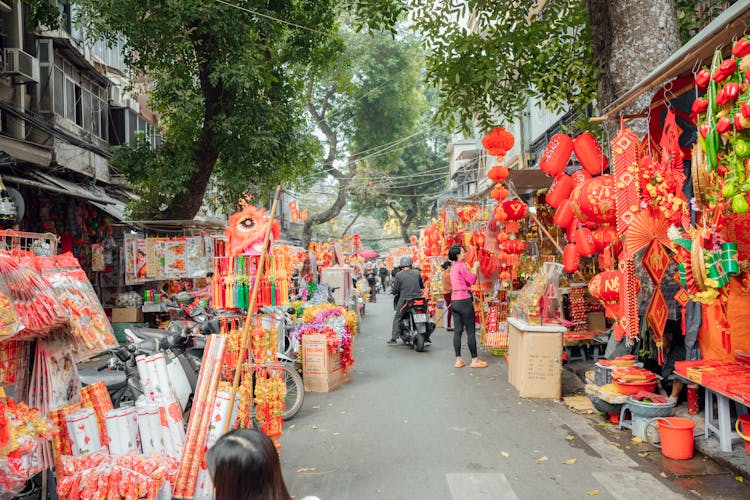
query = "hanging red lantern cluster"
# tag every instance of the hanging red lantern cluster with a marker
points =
(584, 201)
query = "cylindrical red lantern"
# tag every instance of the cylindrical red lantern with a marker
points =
(603, 236)
(584, 242)
(560, 190)
(594, 200)
(516, 209)
(564, 214)
(514, 246)
(556, 156)
(590, 154)
(572, 228)
(570, 258)
(579, 177)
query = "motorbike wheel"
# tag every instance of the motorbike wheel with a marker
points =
(419, 342)
(295, 391)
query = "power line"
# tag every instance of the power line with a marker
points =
(250, 11)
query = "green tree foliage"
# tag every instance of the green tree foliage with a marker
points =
(694, 15)
(514, 51)
(228, 83)
(367, 104)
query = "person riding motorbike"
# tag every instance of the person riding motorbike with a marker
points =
(407, 285)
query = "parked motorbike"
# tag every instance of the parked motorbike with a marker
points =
(183, 344)
(416, 326)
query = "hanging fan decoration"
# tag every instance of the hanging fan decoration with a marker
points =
(646, 227)
(625, 161)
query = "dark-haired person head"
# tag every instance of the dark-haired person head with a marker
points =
(454, 252)
(244, 465)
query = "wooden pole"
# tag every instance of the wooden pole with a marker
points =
(249, 318)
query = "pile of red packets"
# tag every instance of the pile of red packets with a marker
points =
(99, 475)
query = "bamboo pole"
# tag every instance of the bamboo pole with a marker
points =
(248, 319)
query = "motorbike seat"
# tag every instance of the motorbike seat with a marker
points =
(150, 333)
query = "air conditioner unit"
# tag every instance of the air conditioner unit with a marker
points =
(115, 95)
(134, 105)
(24, 67)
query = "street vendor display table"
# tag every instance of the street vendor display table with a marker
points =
(722, 425)
(535, 359)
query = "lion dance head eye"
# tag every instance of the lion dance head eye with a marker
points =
(246, 224)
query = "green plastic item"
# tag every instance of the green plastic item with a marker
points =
(119, 329)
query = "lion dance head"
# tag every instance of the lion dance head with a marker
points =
(247, 228)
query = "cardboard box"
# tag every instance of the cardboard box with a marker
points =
(321, 370)
(535, 360)
(127, 315)
(596, 321)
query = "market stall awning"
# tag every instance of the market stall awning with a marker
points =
(529, 180)
(732, 23)
(95, 195)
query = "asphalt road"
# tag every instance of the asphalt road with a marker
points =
(411, 426)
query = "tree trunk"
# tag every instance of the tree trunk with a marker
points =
(411, 213)
(185, 205)
(630, 39)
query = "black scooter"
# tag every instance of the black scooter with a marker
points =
(416, 326)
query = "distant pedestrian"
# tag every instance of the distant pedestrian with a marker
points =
(372, 279)
(463, 306)
(445, 279)
(383, 272)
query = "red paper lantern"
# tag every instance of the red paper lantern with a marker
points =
(499, 193)
(556, 156)
(570, 258)
(579, 177)
(514, 246)
(512, 226)
(564, 214)
(589, 153)
(605, 286)
(498, 141)
(584, 242)
(413, 240)
(516, 209)
(605, 261)
(502, 236)
(594, 200)
(498, 173)
(604, 236)
(560, 190)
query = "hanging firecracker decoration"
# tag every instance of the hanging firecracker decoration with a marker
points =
(559, 191)
(555, 157)
(590, 154)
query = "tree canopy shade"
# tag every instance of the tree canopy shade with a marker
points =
(228, 80)
(565, 53)
(368, 105)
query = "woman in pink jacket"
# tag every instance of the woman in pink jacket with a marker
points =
(463, 306)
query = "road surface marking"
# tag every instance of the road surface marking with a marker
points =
(477, 486)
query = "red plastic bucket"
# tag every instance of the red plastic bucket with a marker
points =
(745, 433)
(676, 436)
